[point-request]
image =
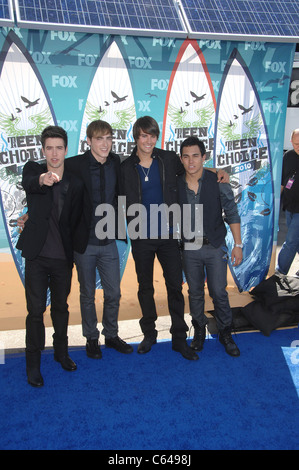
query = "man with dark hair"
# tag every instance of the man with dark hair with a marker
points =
(149, 179)
(54, 200)
(204, 254)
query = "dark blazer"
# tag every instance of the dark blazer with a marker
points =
(39, 202)
(79, 166)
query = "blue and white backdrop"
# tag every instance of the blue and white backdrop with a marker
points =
(233, 95)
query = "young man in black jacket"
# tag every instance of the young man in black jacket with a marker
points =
(54, 199)
(99, 169)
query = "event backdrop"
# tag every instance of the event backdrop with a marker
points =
(232, 95)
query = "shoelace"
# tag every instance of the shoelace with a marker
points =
(206, 329)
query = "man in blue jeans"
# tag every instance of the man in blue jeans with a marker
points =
(99, 169)
(290, 204)
(204, 252)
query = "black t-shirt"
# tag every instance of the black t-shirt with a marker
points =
(103, 183)
(290, 181)
(53, 247)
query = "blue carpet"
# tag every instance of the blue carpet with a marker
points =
(158, 401)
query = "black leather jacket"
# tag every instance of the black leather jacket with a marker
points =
(169, 166)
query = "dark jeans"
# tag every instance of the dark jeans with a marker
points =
(211, 263)
(168, 254)
(41, 274)
(291, 245)
(105, 259)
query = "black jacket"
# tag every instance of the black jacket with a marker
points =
(39, 202)
(169, 166)
(79, 166)
(290, 169)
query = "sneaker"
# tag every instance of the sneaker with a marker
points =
(118, 344)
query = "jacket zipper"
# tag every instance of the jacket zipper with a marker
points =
(161, 164)
(139, 183)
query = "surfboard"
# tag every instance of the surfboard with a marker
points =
(242, 148)
(190, 101)
(25, 110)
(111, 99)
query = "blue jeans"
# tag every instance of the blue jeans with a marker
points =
(211, 263)
(291, 245)
(105, 259)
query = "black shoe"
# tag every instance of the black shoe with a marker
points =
(66, 362)
(226, 339)
(93, 349)
(183, 348)
(34, 378)
(199, 338)
(118, 344)
(146, 345)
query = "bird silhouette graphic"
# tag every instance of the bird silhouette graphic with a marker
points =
(245, 110)
(30, 103)
(117, 98)
(196, 97)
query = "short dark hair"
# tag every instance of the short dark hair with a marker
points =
(98, 128)
(54, 131)
(193, 141)
(146, 124)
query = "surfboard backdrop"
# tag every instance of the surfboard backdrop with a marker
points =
(111, 98)
(233, 95)
(236, 139)
(242, 148)
(25, 111)
(190, 101)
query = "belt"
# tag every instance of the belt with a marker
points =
(200, 241)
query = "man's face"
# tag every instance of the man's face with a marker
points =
(100, 146)
(295, 142)
(192, 160)
(55, 152)
(146, 144)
